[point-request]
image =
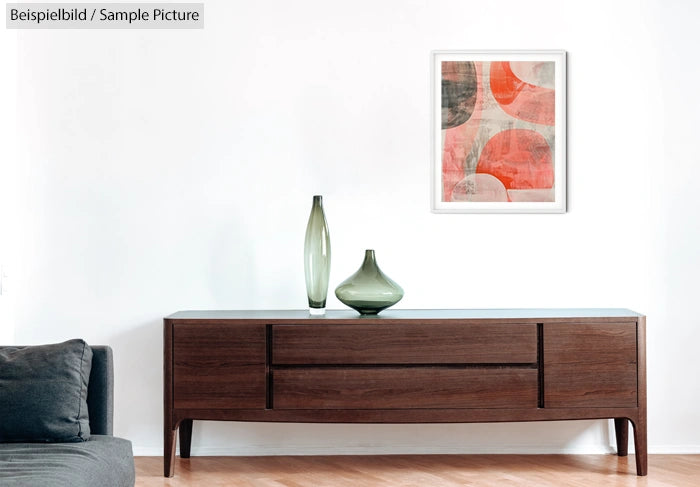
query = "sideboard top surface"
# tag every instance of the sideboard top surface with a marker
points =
(413, 314)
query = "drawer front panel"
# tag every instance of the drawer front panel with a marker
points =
(590, 365)
(219, 366)
(609, 343)
(404, 388)
(607, 386)
(405, 343)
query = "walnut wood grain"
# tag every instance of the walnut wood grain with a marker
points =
(401, 416)
(404, 388)
(219, 366)
(405, 343)
(590, 343)
(613, 386)
(640, 421)
(229, 365)
(590, 364)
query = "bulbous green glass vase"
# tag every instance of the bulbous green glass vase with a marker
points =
(369, 290)
(317, 258)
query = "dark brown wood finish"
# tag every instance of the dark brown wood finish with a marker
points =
(590, 385)
(639, 421)
(403, 416)
(185, 437)
(405, 343)
(219, 366)
(622, 436)
(290, 367)
(404, 388)
(593, 343)
(590, 364)
(169, 423)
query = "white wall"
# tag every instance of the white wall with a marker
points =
(168, 170)
(8, 181)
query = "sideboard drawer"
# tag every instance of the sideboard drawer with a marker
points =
(405, 343)
(404, 388)
(590, 365)
(219, 366)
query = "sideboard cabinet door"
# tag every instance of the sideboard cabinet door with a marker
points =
(219, 366)
(590, 365)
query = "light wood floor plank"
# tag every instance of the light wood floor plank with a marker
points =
(421, 471)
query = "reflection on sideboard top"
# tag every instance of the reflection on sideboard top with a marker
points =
(523, 314)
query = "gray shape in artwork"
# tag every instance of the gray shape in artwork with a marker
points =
(459, 89)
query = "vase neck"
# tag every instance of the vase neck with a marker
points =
(370, 261)
(318, 200)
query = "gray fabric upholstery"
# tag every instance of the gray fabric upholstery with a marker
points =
(100, 399)
(102, 461)
(43, 392)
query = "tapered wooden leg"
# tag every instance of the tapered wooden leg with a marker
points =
(621, 436)
(169, 452)
(640, 445)
(185, 438)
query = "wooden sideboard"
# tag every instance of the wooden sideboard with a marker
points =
(405, 366)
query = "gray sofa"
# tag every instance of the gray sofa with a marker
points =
(102, 460)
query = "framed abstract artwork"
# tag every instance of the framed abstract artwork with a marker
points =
(499, 131)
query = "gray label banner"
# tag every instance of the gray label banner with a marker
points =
(104, 15)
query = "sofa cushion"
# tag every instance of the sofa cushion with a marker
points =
(101, 461)
(43, 392)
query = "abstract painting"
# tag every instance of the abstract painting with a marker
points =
(499, 136)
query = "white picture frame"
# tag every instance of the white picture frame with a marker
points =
(497, 141)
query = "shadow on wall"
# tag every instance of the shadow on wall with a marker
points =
(138, 387)
(220, 438)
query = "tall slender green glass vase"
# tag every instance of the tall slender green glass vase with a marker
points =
(317, 258)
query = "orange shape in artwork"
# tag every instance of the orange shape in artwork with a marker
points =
(520, 99)
(519, 158)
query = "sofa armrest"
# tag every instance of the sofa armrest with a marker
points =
(100, 399)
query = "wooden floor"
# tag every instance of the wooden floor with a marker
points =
(421, 471)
